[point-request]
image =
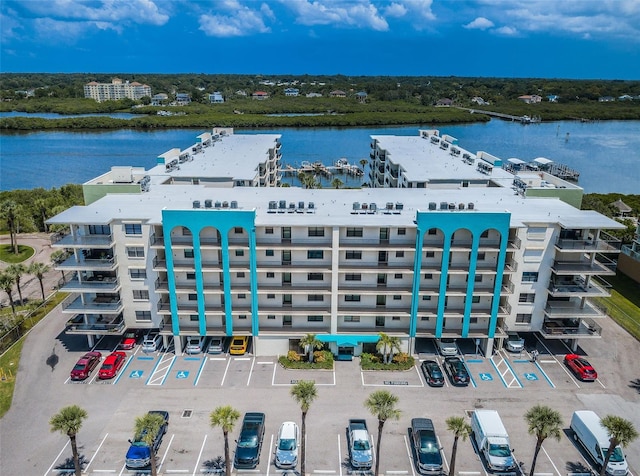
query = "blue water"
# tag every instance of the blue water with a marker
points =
(607, 153)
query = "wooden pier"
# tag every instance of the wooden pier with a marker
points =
(523, 119)
(340, 167)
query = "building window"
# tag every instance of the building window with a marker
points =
(191, 276)
(194, 317)
(315, 298)
(188, 253)
(315, 231)
(351, 318)
(315, 254)
(271, 296)
(268, 231)
(530, 277)
(286, 232)
(395, 318)
(353, 277)
(399, 254)
(397, 276)
(485, 234)
(193, 297)
(426, 298)
(432, 231)
(269, 253)
(240, 274)
(352, 298)
(526, 297)
(271, 317)
(137, 273)
(402, 231)
(271, 274)
(397, 297)
(430, 254)
(475, 299)
(473, 320)
(353, 255)
(315, 318)
(242, 316)
(424, 318)
(354, 232)
(140, 295)
(135, 251)
(143, 316)
(481, 256)
(315, 277)
(242, 296)
(428, 276)
(99, 230)
(186, 231)
(239, 252)
(132, 229)
(238, 230)
(523, 318)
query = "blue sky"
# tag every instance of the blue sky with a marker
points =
(503, 38)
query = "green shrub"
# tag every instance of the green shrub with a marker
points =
(400, 361)
(293, 356)
(323, 360)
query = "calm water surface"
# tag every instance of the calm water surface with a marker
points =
(607, 153)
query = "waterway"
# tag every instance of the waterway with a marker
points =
(606, 153)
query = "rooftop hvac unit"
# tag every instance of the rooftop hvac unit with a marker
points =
(433, 205)
(399, 206)
(389, 206)
(312, 205)
(452, 206)
(470, 205)
(225, 204)
(444, 205)
(292, 206)
(218, 204)
(196, 204)
(300, 204)
(460, 206)
(356, 205)
(373, 206)
(234, 204)
(365, 206)
(282, 204)
(208, 203)
(273, 205)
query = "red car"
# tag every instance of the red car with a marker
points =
(580, 367)
(85, 365)
(111, 365)
(129, 340)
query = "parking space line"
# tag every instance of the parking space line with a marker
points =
(225, 372)
(166, 368)
(339, 455)
(601, 384)
(446, 381)
(166, 452)
(406, 445)
(270, 453)
(473, 381)
(444, 456)
(251, 371)
(555, 358)
(551, 461)
(204, 361)
(86, 470)
(195, 469)
(544, 374)
(123, 370)
(54, 461)
(507, 370)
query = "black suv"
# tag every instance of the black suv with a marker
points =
(250, 441)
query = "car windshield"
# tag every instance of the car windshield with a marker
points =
(248, 441)
(617, 456)
(107, 367)
(361, 445)
(238, 342)
(499, 450)
(79, 366)
(427, 446)
(287, 445)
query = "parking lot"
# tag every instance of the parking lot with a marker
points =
(191, 386)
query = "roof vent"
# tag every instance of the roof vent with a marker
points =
(444, 205)
(373, 206)
(196, 204)
(356, 205)
(389, 206)
(225, 204)
(207, 204)
(218, 204)
(365, 206)
(460, 206)
(282, 204)
(433, 205)
(234, 204)
(452, 206)
(273, 205)
(470, 205)
(300, 204)
(399, 206)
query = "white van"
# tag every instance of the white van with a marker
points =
(151, 342)
(589, 432)
(287, 445)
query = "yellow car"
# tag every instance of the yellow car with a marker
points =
(239, 345)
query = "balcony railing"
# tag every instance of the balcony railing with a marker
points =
(96, 305)
(88, 264)
(584, 267)
(578, 287)
(104, 285)
(603, 245)
(96, 325)
(573, 308)
(82, 241)
(571, 328)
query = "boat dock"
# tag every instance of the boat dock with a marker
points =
(542, 164)
(523, 119)
(340, 167)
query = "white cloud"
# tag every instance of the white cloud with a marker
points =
(238, 20)
(361, 13)
(395, 10)
(480, 23)
(506, 31)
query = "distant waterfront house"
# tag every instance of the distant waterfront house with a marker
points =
(479, 101)
(553, 98)
(314, 95)
(361, 96)
(606, 99)
(216, 97)
(260, 95)
(338, 94)
(159, 99)
(530, 98)
(623, 209)
(240, 92)
(625, 97)
(444, 102)
(182, 99)
(291, 92)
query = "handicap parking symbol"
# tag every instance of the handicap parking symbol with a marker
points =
(182, 374)
(530, 376)
(486, 377)
(135, 374)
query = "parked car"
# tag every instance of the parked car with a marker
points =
(250, 441)
(139, 453)
(129, 340)
(287, 445)
(425, 444)
(457, 371)
(151, 342)
(447, 347)
(580, 367)
(215, 345)
(432, 373)
(194, 345)
(239, 345)
(111, 365)
(85, 365)
(515, 343)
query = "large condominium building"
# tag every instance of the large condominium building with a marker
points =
(444, 243)
(116, 89)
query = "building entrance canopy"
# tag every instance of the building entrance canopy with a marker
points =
(347, 340)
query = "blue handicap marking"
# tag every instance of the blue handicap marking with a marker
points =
(136, 374)
(530, 376)
(182, 374)
(486, 377)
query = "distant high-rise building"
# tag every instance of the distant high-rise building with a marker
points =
(116, 89)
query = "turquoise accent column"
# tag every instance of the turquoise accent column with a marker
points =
(417, 272)
(468, 302)
(253, 267)
(171, 281)
(446, 251)
(197, 259)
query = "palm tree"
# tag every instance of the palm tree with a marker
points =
(226, 418)
(6, 283)
(363, 163)
(382, 404)
(387, 345)
(304, 393)
(17, 270)
(69, 421)
(38, 270)
(309, 342)
(460, 429)
(9, 211)
(621, 432)
(337, 183)
(544, 422)
(146, 429)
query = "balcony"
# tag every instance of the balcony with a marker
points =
(92, 284)
(514, 243)
(96, 324)
(87, 264)
(95, 305)
(610, 245)
(570, 328)
(572, 308)
(84, 241)
(579, 288)
(565, 268)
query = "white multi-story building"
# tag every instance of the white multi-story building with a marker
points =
(115, 90)
(444, 243)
